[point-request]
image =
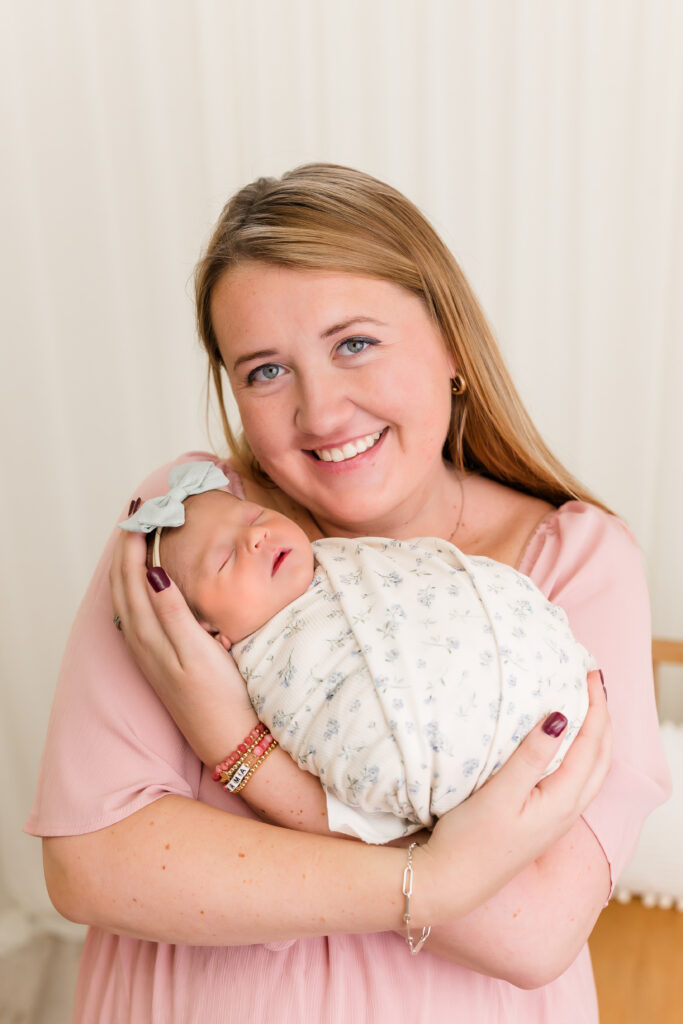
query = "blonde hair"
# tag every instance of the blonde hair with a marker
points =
(324, 216)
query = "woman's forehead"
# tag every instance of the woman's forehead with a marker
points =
(252, 290)
(260, 304)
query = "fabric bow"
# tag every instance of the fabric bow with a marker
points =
(168, 510)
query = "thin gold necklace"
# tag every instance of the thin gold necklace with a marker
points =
(461, 511)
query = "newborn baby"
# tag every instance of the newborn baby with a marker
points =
(401, 673)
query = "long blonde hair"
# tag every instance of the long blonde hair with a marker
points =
(327, 217)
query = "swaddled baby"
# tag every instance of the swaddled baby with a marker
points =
(401, 673)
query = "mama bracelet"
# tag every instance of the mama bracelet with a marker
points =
(238, 767)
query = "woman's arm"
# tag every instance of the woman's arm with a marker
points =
(96, 878)
(181, 871)
(534, 928)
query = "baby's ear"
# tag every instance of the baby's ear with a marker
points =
(222, 640)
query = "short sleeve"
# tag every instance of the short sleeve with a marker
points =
(111, 747)
(588, 562)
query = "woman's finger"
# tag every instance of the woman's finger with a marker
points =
(131, 599)
(163, 634)
(529, 762)
(587, 761)
(189, 640)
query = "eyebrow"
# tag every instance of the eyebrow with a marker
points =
(267, 353)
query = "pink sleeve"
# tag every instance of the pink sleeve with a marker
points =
(589, 563)
(111, 746)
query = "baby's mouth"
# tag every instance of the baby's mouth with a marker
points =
(279, 559)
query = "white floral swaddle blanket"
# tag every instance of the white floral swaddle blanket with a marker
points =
(407, 674)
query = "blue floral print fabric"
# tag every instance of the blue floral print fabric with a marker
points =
(407, 674)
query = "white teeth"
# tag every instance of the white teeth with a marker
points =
(349, 450)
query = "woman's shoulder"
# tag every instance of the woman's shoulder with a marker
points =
(578, 538)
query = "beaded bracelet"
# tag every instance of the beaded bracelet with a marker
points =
(237, 756)
(237, 769)
(263, 750)
(407, 891)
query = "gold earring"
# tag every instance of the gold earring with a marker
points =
(458, 385)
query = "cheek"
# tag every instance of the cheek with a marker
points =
(265, 426)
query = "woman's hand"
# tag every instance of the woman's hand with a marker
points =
(476, 848)
(190, 671)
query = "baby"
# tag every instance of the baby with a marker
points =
(401, 673)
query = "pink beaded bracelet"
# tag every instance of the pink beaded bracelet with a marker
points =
(238, 754)
(247, 769)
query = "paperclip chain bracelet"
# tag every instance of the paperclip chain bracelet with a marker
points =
(407, 890)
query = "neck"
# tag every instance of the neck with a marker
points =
(434, 511)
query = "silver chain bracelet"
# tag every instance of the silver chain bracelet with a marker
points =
(407, 890)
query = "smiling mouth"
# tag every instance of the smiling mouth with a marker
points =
(350, 450)
(278, 560)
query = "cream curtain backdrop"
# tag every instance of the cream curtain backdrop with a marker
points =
(544, 140)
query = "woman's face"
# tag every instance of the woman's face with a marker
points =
(342, 384)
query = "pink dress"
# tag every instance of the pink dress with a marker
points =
(112, 749)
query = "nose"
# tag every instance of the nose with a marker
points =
(254, 536)
(323, 405)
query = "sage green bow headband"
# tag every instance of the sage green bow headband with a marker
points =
(168, 509)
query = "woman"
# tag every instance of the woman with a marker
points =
(339, 315)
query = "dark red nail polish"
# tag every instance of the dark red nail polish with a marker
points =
(555, 724)
(602, 680)
(130, 507)
(157, 578)
(136, 506)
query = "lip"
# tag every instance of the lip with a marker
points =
(347, 464)
(279, 559)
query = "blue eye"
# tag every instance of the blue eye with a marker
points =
(356, 345)
(269, 371)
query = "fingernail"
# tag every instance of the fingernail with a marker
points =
(136, 506)
(555, 724)
(130, 507)
(602, 680)
(157, 578)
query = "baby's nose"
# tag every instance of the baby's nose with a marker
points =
(255, 536)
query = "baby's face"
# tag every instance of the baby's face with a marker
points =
(236, 563)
